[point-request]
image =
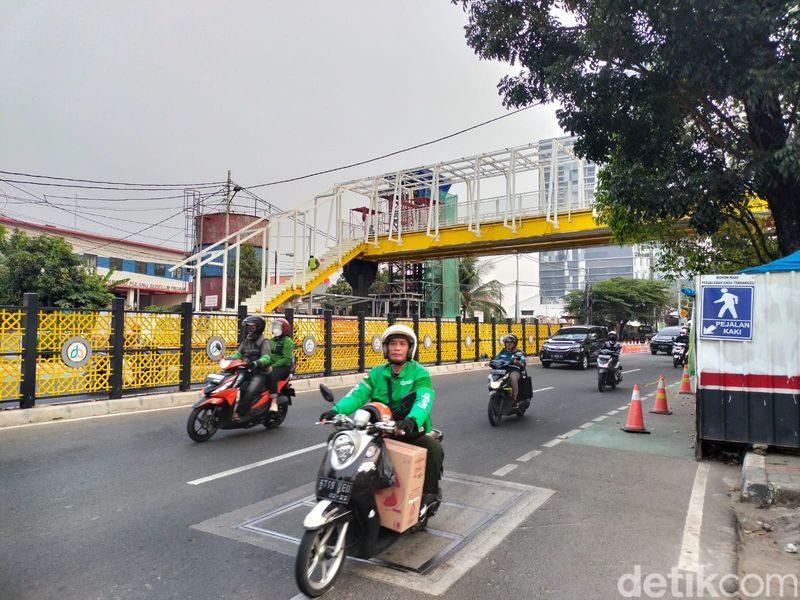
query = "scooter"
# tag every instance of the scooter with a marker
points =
(215, 409)
(609, 371)
(678, 354)
(500, 393)
(345, 520)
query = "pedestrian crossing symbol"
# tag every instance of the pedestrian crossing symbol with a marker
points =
(727, 307)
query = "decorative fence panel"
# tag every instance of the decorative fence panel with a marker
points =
(54, 352)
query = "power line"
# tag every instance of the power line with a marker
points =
(396, 152)
(93, 187)
(162, 185)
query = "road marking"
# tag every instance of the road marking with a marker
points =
(623, 407)
(529, 455)
(649, 395)
(552, 443)
(118, 414)
(504, 470)
(260, 463)
(586, 425)
(611, 413)
(631, 371)
(543, 389)
(690, 547)
(569, 434)
(600, 418)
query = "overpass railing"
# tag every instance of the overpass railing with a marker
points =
(56, 354)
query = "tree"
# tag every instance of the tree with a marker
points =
(680, 255)
(341, 287)
(692, 106)
(477, 295)
(47, 266)
(618, 300)
(249, 275)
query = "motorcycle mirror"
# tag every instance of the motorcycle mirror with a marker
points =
(326, 393)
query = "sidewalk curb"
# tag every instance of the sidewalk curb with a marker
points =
(754, 479)
(93, 408)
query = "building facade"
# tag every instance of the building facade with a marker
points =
(143, 267)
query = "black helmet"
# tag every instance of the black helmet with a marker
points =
(511, 338)
(612, 336)
(258, 323)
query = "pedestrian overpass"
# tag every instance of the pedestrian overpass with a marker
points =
(501, 202)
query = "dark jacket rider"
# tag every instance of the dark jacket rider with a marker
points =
(255, 349)
(516, 363)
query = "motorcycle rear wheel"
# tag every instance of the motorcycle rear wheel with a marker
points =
(316, 569)
(495, 409)
(273, 422)
(203, 423)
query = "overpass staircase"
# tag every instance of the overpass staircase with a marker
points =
(413, 214)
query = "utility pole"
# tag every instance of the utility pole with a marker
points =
(516, 300)
(224, 299)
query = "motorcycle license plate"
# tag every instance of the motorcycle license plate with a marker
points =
(336, 490)
(498, 371)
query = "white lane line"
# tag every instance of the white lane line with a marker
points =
(504, 470)
(569, 434)
(586, 425)
(649, 395)
(624, 407)
(552, 443)
(600, 418)
(630, 371)
(690, 547)
(543, 389)
(260, 463)
(611, 413)
(529, 455)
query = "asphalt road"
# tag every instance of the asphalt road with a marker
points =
(102, 508)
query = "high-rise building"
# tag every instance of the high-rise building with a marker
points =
(561, 271)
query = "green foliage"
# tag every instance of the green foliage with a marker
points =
(249, 275)
(477, 295)
(381, 281)
(618, 300)
(47, 266)
(156, 308)
(691, 105)
(341, 287)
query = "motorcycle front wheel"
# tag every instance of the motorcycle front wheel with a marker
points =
(675, 363)
(495, 409)
(318, 565)
(203, 423)
(601, 382)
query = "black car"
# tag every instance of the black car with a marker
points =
(575, 345)
(662, 341)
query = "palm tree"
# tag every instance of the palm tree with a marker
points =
(477, 295)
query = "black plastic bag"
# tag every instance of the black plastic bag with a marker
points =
(386, 476)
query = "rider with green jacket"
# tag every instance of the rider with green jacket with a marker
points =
(388, 383)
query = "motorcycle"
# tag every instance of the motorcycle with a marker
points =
(609, 371)
(345, 520)
(500, 392)
(215, 409)
(678, 354)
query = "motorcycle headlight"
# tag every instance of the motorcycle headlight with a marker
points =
(343, 447)
(495, 384)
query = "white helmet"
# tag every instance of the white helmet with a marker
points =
(406, 332)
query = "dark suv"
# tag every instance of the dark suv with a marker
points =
(662, 341)
(575, 345)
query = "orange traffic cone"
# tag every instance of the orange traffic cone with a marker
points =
(686, 384)
(661, 407)
(635, 422)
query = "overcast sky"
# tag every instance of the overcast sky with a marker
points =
(182, 91)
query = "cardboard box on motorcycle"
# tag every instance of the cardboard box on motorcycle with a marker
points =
(399, 505)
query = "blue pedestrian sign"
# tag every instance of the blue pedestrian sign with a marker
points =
(727, 304)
